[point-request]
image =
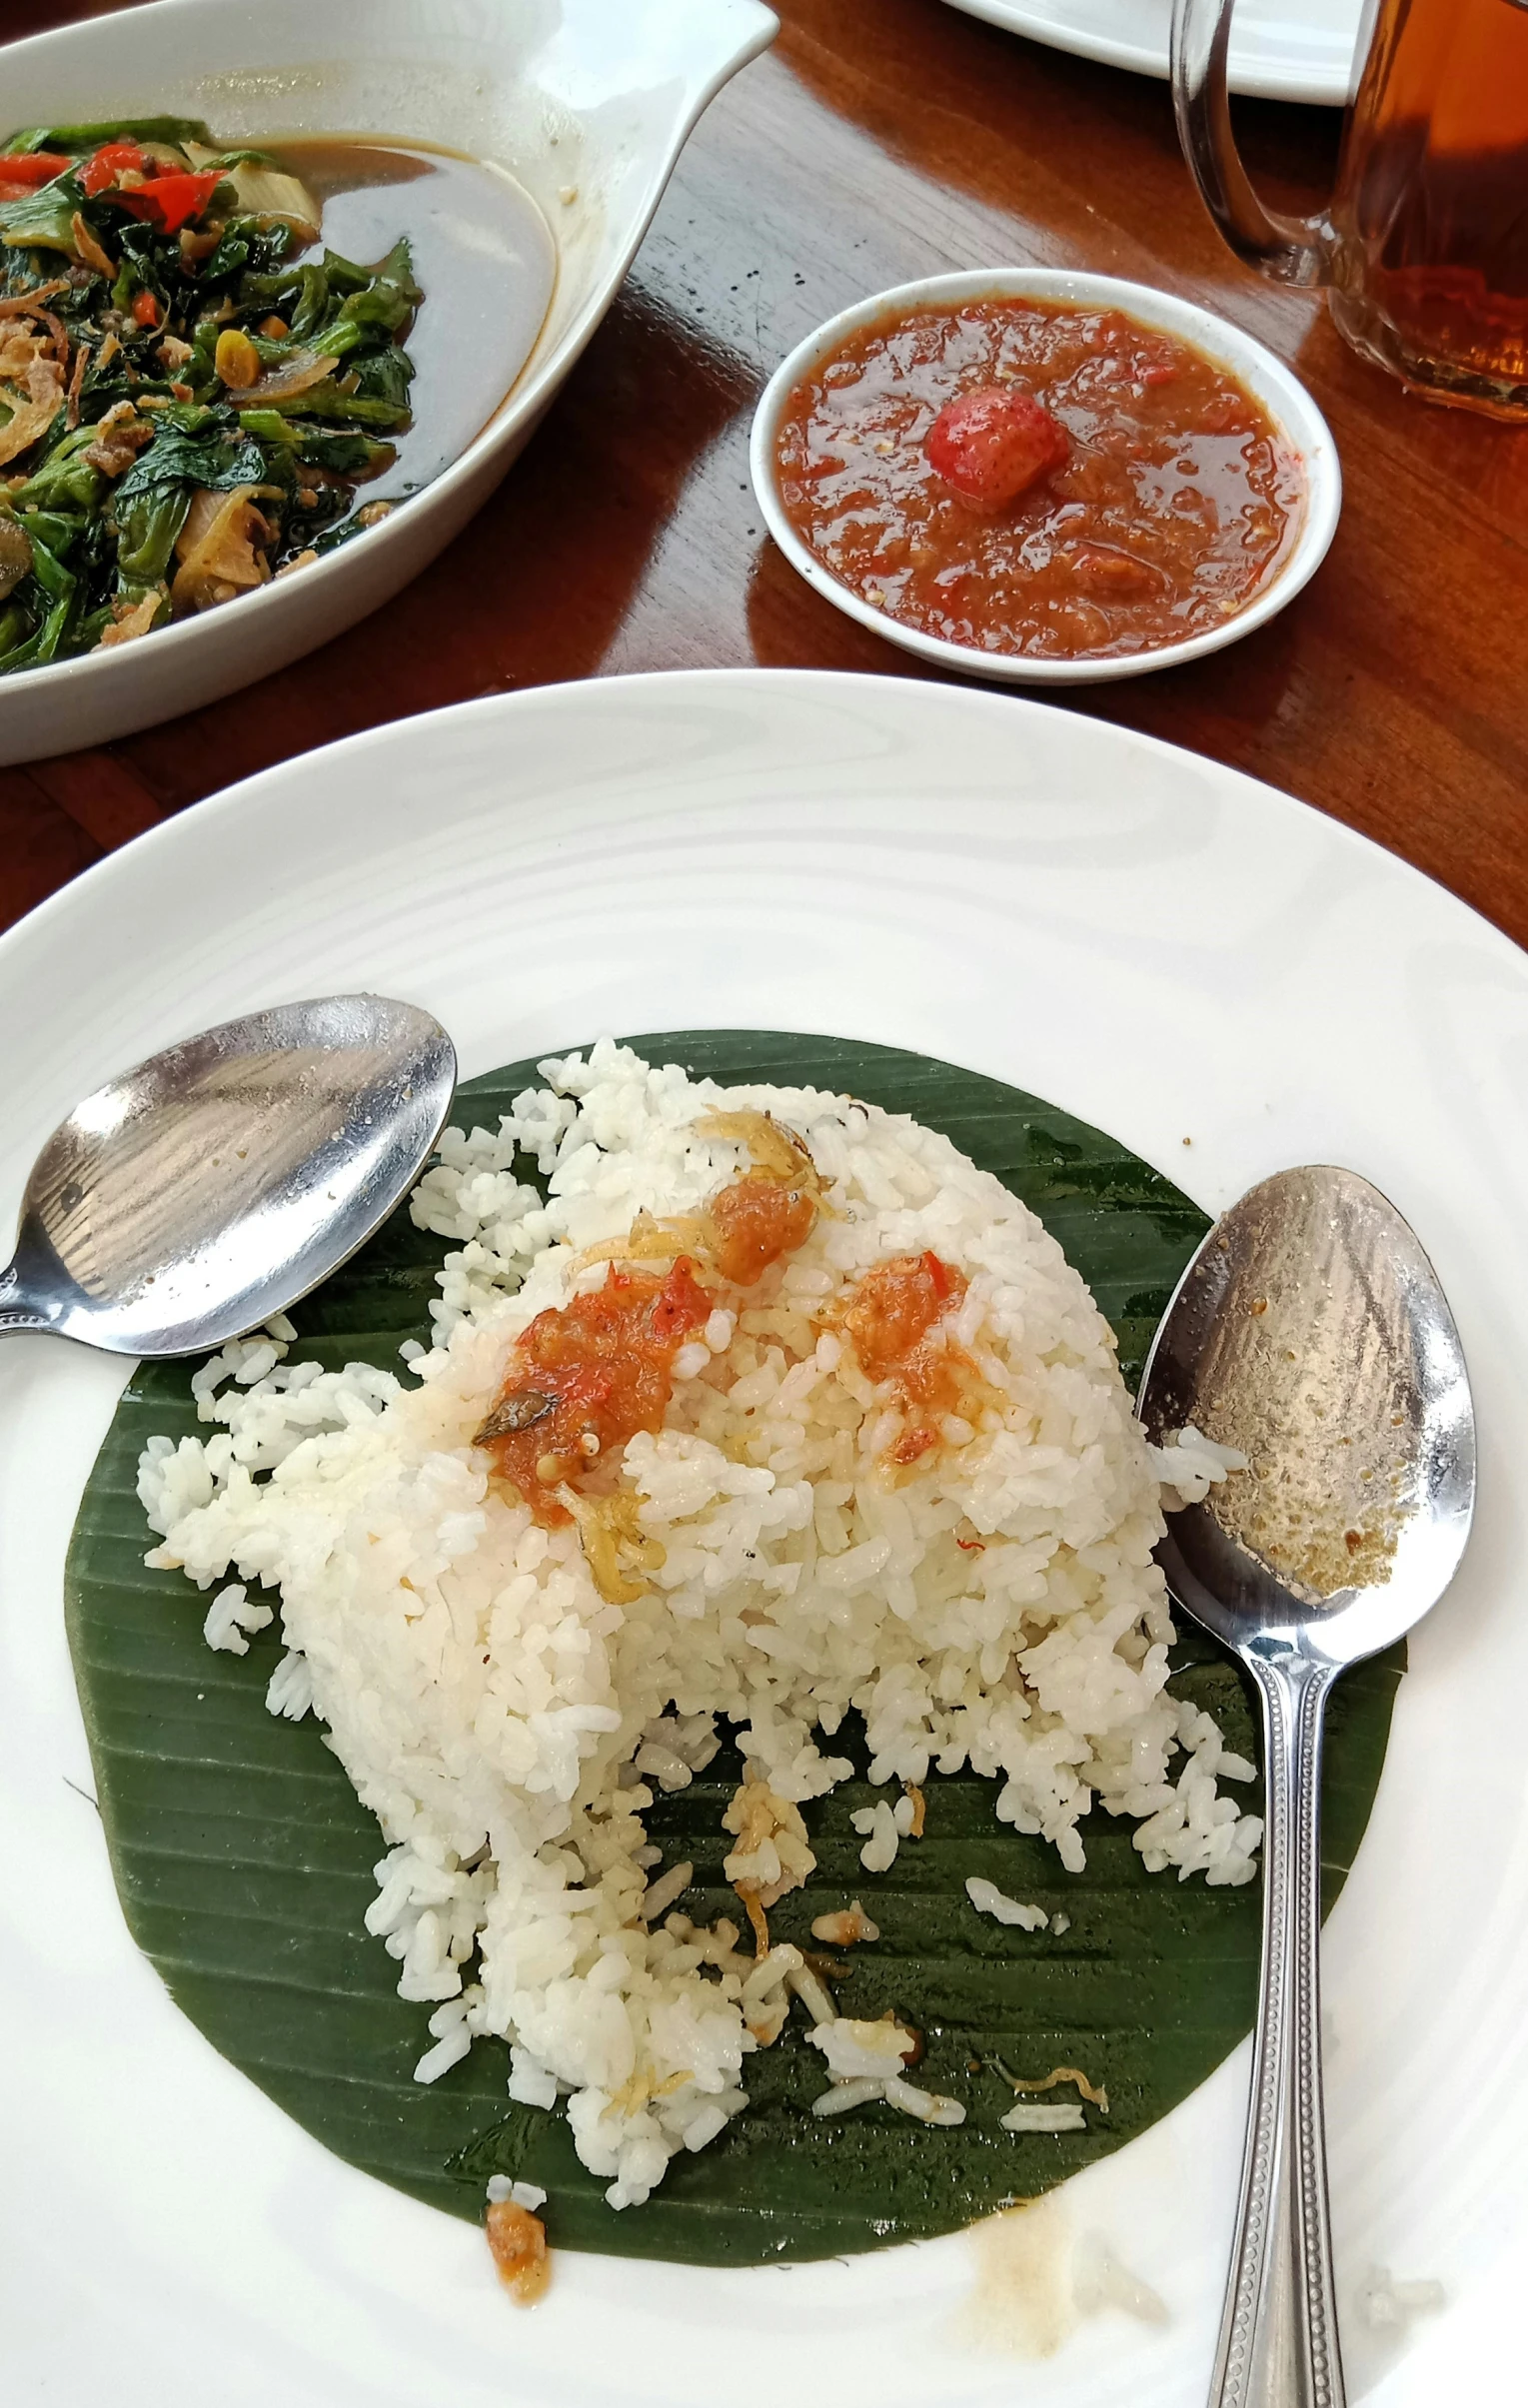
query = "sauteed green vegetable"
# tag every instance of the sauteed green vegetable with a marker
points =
(192, 393)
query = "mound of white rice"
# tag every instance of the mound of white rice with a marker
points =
(508, 1725)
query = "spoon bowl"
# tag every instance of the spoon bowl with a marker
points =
(1309, 1338)
(1311, 1333)
(189, 1199)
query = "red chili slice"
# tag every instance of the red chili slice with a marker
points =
(112, 160)
(682, 1306)
(941, 1278)
(146, 310)
(171, 201)
(25, 170)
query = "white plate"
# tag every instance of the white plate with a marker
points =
(1165, 947)
(1281, 49)
(587, 103)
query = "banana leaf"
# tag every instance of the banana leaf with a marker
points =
(242, 1858)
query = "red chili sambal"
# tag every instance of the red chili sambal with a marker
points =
(891, 1318)
(587, 1375)
(518, 2241)
(753, 1222)
(1171, 501)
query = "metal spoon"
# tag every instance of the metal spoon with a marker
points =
(1310, 1332)
(188, 1200)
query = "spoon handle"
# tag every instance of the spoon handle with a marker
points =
(1278, 2333)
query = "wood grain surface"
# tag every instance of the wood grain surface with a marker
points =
(882, 140)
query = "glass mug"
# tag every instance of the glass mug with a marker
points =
(1424, 248)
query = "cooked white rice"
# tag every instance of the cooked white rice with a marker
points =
(987, 1898)
(508, 1725)
(1045, 2115)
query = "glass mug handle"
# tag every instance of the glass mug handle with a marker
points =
(1287, 250)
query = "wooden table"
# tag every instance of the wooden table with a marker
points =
(882, 140)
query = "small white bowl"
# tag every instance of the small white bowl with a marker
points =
(1281, 394)
(587, 102)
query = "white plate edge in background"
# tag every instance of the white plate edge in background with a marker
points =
(1281, 49)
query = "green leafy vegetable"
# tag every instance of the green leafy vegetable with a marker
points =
(330, 399)
(148, 526)
(202, 158)
(247, 242)
(64, 481)
(343, 454)
(44, 220)
(135, 331)
(384, 376)
(305, 298)
(53, 529)
(243, 1857)
(51, 589)
(181, 458)
(80, 139)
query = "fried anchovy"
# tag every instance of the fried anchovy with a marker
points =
(521, 1411)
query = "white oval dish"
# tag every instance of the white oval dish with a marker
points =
(587, 104)
(1282, 395)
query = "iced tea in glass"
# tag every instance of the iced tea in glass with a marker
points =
(1425, 246)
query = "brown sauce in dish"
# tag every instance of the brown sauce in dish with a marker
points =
(1175, 499)
(483, 258)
